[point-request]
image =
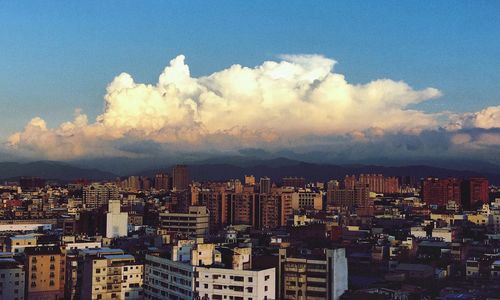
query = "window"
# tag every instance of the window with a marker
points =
(250, 279)
(266, 277)
(265, 288)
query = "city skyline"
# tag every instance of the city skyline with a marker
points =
(330, 91)
(249, 150)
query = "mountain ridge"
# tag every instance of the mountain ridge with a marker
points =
(223, 169)
(52, 170)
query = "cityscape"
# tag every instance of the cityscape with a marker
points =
(230, 150)
(169, 237)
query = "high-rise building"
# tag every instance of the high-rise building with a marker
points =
(180, 177)
(31, 183)
(379, 184)
(146, 183)
(332, 185)
(162, 182)
(296, 182)
(358, 196)
(97, 195)
(349, 182)
(440, 192)
(312, 277)
(265, 185)
(475, 191)
(243, 207)
(116, 221)
(132, 183)
(45, 273)
(269, 208)
(216, 200)
(249, 180)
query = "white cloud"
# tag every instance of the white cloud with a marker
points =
(275, 104)
(487, 118)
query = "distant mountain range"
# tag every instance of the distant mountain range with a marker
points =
(50, 170)
(223, 168)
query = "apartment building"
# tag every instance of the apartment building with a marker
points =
(12, 278)
(194, 270)
(312, 276)
(307, 199)
(194, 223)
(112, 276)
(45, 272)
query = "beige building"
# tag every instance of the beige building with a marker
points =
(97, 195)
(307, 199)
(194, 223)
(45, 272)
(17, 243)
(112, 276)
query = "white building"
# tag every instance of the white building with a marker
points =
(195, 269)
(83, 245)
(116, 221)
(219, 283)
(445, 234)
(168, 279)
(11, 279)
(25, 227)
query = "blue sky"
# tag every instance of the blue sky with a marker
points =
(56, 56)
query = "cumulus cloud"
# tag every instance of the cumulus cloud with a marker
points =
(276, 104)
(487, 118)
